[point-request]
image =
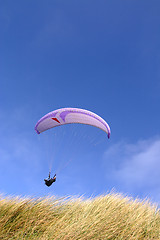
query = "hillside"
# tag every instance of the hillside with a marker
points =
(111, 216)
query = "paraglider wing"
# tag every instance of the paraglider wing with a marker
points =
(71, 115)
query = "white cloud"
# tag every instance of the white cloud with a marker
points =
(21, 157)
(135, 168)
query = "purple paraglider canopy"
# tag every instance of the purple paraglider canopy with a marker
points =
(71, 115)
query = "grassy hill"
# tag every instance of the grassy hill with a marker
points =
(106, 217)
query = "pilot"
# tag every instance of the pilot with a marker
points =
(50, 180)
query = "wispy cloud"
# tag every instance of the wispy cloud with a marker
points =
(135, 168)
(20, 154)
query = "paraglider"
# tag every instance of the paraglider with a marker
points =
(64, 116)
(71, 115)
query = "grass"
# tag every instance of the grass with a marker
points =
(111, 216)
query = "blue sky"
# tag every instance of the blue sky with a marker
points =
(103, 56)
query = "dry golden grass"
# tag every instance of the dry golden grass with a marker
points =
(110, 216)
